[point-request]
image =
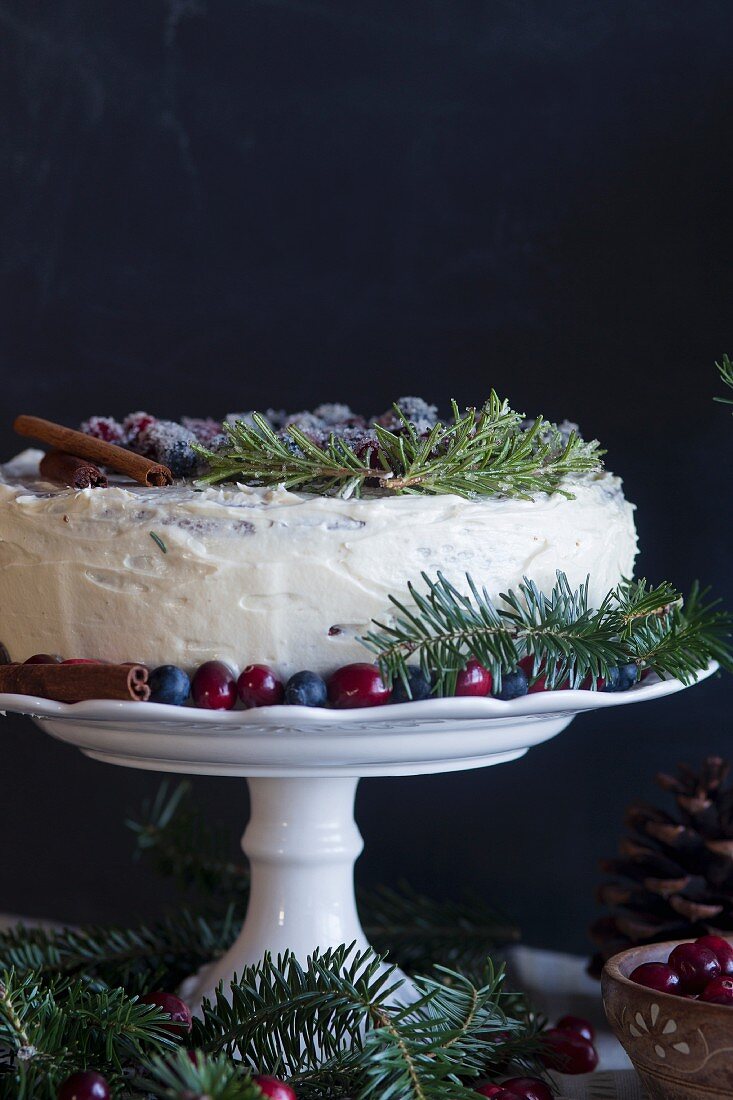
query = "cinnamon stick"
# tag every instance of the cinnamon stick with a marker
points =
(69, 470)
(74, 683)
(117, 458)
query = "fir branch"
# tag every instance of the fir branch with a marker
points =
(569, 641)
(179, 1077)
(134, 958)
(482, 452)
(50, 1027)
(336, 1019)
(725, 369)
(183, 845)
(417, 931)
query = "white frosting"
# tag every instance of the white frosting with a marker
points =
(260, 575)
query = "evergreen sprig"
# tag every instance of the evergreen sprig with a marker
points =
(334, 1025)
(481, 452)
(51, 1027)
(725, 369)
(570, 642)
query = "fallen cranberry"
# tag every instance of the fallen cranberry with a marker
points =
(273, 1087)
(657, 976)
(568, 1052)
(723, 951)
(718, 992)
(696, 966)
(529, 1088)
(178, 1010)
(85, 1085)
(578, 1025)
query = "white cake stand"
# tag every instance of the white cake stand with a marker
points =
(302, 766)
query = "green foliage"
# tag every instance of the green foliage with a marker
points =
(180, 1078)
(51, 1027)
(335, 1025)
(569, 640)
(725, 369)
(482, 452)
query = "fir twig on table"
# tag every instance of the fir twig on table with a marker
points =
(570, 642)
(481, 452)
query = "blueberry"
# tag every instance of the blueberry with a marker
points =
(306, 689)
(169, 684)
(622, 677)
(420, 686)
(513, 685)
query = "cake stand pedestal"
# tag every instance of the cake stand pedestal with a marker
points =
(303, 765)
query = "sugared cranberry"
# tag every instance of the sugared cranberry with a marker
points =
(85, 1085)
(723, 951)
(528, 1088)
(359, 685)
(178, 1011)
(578, 1025)
(105, 428)
(135, 423)
(718, 992)
(658, 976)
(568, 1052)
(474, 679)
(214, 686)
(259, 687)
(696, 966)
(273, 1087)
(43, 659)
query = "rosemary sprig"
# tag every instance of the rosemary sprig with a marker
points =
(481, 452)
(725, 369)
(569, 641)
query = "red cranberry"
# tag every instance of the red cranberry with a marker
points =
(178, 1011)
(723, 951)
(488, 1089)
(474, 679)
(527, 666)
(258, 687)
(43, 659)
(358, 685)
(82, 661)
(578, 1025)
(695, 965)
(718, 992)
(214, 686)
(657, 976)
(568, 1052)
(85, 1085)
(528, 1088)
(273, 1087)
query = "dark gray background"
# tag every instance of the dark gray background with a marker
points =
(214, 206)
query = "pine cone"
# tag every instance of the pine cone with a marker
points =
(673, 878)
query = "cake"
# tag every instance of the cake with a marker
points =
(246, 573)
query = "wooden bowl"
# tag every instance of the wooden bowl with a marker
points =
(681, 1049)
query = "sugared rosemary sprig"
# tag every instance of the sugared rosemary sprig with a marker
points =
(481, 452)
(569, 641)
(725, 369)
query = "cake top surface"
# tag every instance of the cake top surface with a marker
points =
(489, 451)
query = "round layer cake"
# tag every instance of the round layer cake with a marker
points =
(182, 575)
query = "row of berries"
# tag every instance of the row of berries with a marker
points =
(215, 686)
(700, 971)
(89, 1085)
